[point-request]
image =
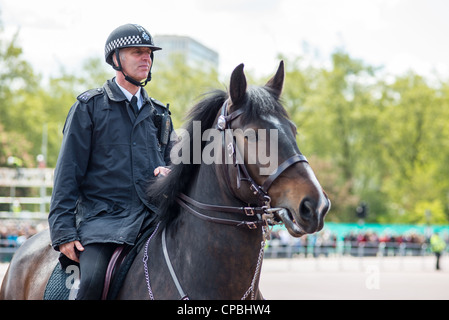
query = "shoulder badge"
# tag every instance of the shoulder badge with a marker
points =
(158, 103)
(86, 96)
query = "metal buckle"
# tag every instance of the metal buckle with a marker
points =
(230, 149)
(221, 122)
(251, 225)
(267, 199)
(249, 211)
(254, 189)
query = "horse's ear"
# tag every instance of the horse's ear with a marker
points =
(277, 82)
(237, 88)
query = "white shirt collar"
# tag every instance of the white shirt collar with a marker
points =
(129, 96)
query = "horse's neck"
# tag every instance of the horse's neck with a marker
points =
(209, 188)
(225, 255)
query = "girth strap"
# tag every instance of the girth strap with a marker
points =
(170, 268)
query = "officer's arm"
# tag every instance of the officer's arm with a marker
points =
(70, 170)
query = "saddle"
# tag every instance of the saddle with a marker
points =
(63, 281)
(116, 261)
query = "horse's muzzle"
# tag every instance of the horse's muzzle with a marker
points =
(309, 217)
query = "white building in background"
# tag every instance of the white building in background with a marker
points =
(195, 54)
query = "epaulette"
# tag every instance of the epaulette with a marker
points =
(158, 103)
(86, 96)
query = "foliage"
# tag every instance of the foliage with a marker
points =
(382, 142)
(16, 77)
(386, 142)
(179, 85)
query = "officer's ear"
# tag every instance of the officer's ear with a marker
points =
(117, 57)
(114, 59)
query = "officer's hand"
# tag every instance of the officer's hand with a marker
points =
(69, 249)
(163, 171)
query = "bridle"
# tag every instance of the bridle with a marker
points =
(261, 215)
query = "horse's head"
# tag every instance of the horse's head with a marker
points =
(266, 144)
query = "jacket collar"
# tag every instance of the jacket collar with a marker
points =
(113, 91)
(115, 94)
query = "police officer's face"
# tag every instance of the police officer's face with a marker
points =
(136, 62)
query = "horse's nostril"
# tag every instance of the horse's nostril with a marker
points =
(306, 209)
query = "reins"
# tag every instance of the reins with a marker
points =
(261, 215)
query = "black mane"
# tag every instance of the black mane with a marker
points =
(164, 190)
(258, 101)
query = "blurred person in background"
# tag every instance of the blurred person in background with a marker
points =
(437, 245)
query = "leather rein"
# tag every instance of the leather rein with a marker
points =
(255, 215)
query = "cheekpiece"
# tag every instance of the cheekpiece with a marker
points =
(221, 123)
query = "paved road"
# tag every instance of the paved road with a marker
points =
(351, 278)
(355, 278)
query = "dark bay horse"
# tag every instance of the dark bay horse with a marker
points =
(214, 214)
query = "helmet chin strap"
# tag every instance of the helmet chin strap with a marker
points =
(135, 82)
(128, 78)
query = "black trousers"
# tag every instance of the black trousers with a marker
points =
(438, 255)
(93, 265)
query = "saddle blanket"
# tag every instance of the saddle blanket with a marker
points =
(64, 280)
(63, 283)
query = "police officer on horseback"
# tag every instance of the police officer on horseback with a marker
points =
(113, 145)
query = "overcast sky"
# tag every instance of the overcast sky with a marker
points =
(398, 34)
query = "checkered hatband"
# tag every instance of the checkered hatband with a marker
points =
(122, 43)
(128, 35)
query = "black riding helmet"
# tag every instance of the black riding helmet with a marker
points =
(129, 35)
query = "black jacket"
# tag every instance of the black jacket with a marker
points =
(106, 159)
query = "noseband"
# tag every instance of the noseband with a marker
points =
(256, 216)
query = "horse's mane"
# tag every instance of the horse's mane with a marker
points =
(163, 191)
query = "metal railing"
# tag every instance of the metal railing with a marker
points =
(7, 249)
(347, 248)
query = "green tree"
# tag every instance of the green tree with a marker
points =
(333, 109)
(384, 143)
(180, 85)
(415, 133)
(16, 77)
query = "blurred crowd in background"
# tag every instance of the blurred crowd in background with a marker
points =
(357, 242)
(14, 234)
(354, 242)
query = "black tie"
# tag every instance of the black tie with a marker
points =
(134, 105)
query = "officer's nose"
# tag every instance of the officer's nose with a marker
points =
(146, 56)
